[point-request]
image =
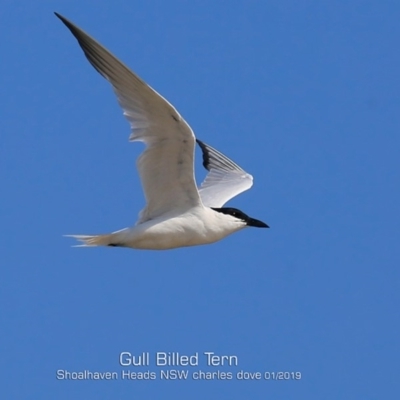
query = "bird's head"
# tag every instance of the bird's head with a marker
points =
(241, 216)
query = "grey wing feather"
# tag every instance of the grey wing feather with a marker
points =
(224, 180)
(166, 166)
(142, 105)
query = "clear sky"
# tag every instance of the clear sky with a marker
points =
(303, 95)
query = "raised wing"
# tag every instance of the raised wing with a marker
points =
(166, 165)
(225, 179)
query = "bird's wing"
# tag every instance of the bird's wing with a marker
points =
(224, 180)
(166, 165)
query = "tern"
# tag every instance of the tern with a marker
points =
(177, 212)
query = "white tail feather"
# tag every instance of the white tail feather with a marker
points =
(93, 240)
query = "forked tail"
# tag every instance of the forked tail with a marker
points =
(110, 239)
(92, 240)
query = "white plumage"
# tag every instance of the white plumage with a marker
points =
(177, 213)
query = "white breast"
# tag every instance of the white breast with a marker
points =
(195, 227)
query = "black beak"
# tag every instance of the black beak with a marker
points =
(256, 223)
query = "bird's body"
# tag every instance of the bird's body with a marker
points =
(177, 213)
(195, 226)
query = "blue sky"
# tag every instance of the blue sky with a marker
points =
(305, 96)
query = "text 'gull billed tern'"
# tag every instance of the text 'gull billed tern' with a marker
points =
(177, 213)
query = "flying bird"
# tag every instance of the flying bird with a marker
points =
(177, 212)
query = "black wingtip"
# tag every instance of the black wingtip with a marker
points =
(75, 30)
(63, 20)
(59, 15)
(206, 157)
(80, 35)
